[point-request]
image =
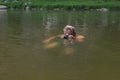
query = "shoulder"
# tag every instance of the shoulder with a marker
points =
(80, 38)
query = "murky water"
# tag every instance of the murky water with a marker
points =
(23, 56)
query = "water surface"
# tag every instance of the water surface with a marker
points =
(23, 56)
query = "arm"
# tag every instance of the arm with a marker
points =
(80, 38)
(51, 38)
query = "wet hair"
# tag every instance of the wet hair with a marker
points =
(71, 28)
(73, 33)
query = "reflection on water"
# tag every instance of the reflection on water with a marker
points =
(69, 50)
(22, 53)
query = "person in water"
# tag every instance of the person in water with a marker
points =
(69, 35)
(69, 32)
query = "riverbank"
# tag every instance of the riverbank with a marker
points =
(63, 5)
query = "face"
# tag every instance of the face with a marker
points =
(68, 31)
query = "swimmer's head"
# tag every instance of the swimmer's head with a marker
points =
(69, 30)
